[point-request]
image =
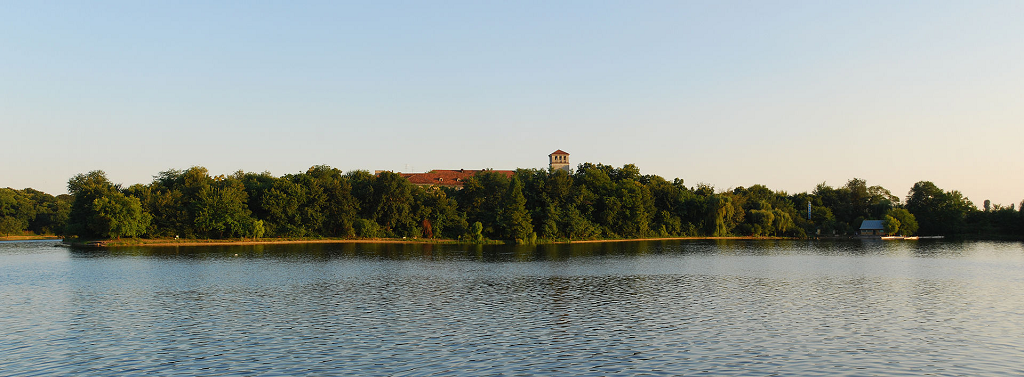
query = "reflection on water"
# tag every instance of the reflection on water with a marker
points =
(663, 308)
(557, 252)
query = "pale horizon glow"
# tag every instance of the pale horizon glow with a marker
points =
(786, 94)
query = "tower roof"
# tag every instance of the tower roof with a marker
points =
(558, 152)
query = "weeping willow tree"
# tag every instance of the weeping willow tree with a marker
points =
(720, 210)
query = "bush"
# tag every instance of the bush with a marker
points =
(367, 228)
(476, 232)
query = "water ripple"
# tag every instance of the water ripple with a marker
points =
(671, 309)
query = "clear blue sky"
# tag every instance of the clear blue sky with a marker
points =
(731, 93)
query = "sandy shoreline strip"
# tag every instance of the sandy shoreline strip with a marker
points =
(675, 239)
(29, 238)
(115, 243)
(187, 243)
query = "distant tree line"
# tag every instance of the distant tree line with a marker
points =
(595, 201)
(33, 211)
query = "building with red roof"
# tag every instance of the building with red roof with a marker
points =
(456, 178)
(451, 178)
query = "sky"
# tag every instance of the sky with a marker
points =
(787, 94)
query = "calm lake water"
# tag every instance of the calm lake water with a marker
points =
(647, 308)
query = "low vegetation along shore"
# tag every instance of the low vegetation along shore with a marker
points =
(29, 238)
(129, 242)
(595, 202)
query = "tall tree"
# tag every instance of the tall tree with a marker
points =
(634, 215)
(938, 212)
(117, 215)
(16, 211)
(167, 203)
(719, 212)
(513, 218)
(481, 198)
(222, 212)
(337, 205)
(392, 202)
(441, 212)
(890, 225)
(907, 222)
(87, 189)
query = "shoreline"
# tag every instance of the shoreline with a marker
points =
(672, 239)
(203, 242)
(242, 242)
(30, 238)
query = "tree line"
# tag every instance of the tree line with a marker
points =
(595, 201)
(34, 211)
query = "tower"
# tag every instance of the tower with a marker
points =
(558, 160)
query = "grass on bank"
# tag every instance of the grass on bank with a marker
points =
(295, 240)
(29, 237)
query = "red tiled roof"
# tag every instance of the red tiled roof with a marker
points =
(558, 152)
(448, 177)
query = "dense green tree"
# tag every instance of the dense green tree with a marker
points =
(578, 227)
(362, 190)
(761, 221)
(221, 210)
(367, 229)
(906, 221)
(281, 203)
(999, 222)
(117, 215)
(550, 196)
(880, 201)
(890, 225)
(594, 201)
(166, 202)
(441, 212)
(513, 219)
(476, 232)
(15, 211)
(87, 189)
(719, 213)
(548, 227)
(10, 225)
(331, 202)
(481, 198)
(144, 194)
(857, 199)
(311, 204)
(618, 201)
(392, 202)
(559, 187)
(267, 201)
(595, 178)
(759, 211)
(101, 210)
(671, 202)
(538, 203)
(48, 213)
(824, 221)
(782, 222)
(634, 211)
(852, 203)
(938, 212)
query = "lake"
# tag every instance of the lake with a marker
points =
(632, 308)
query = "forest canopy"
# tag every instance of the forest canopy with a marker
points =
(595, 201)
